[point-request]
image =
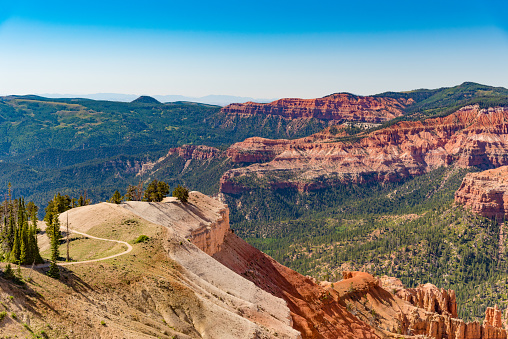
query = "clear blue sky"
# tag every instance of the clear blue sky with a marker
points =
(264, 49)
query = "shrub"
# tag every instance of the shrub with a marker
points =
(8, 273)
(141, 238)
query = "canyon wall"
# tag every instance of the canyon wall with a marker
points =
(338, 107)
(228, 275)
(468, 137)
(485, 193)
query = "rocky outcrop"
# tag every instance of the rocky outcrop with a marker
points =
(431, 299)
(423, 311)
(276, 297)
(338, 107)
(198, 152)
(468, 137)
(218, 302)
(187, 152)
(315, 314)
(203, 221)
(492, 325)
(485, 193)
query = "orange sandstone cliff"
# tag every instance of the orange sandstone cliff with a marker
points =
(468, 137)
(485, 193)
(424, 311)
(338, 107)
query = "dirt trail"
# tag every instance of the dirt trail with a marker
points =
(129, 248)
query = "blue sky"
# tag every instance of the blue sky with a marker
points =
(263, 49)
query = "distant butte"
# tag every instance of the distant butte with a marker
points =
(145, 99)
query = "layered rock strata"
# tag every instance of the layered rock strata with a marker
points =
(267, 296)
(485, 193)
(423, 311)
(243, 292)
(468, 137)
(186, 152)
(338, 107)
(315, 314)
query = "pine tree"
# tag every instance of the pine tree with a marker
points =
(181, 193)
(53, 226)
(16, 247)
(156, 191)
(36, 255)
(116, 198)
(131, 193)
(54, 272)
(24, 246)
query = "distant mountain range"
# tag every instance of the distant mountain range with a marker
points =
(221, 100)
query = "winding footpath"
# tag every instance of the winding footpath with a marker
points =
(129, 248)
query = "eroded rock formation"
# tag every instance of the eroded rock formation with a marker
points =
(431, 299)
(468, 137)
(485, 193)
(423, 311)
(338, 107)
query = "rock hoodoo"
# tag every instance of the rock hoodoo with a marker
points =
(424, 311)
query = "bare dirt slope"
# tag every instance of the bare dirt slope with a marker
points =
(165, 288)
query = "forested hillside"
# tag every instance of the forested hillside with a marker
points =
(410, 230)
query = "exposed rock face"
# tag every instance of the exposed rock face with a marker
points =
(469, 137)
(275, 297)
(315, 314)
(204, 221)
(339, 107)
(186, 152)
(199, 152)
(229, 305)
(431, 299)
(485, 193)
(423, 311)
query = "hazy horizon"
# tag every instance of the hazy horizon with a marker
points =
(259, 50)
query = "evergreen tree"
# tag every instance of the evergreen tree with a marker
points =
(36, 255)
(156, 191)
(131, 193)
(16, 247)
(116, 198)
(24, 246)
(54, 271)
(181, 193)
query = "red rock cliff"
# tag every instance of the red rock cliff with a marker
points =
(469, 137)
(424, 311)
(485, 193)
(315, 314)
(339, 107)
